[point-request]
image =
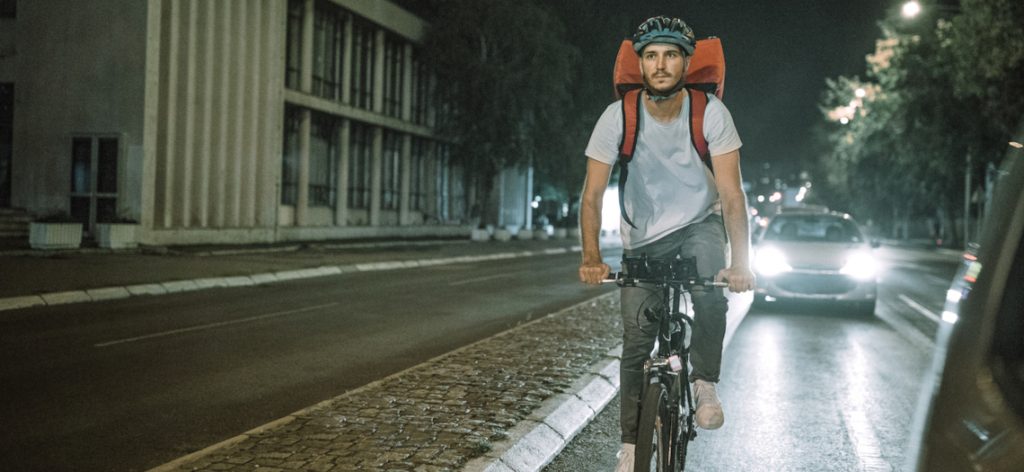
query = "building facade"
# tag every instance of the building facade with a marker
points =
(231, 121)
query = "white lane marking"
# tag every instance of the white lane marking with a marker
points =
(214, 325)
(920, 309)
(480, 279)
(944, 283)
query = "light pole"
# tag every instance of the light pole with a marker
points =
(967, 201)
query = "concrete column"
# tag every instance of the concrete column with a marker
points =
(222, 132)
(204, 154)
(185, 177)
(148, 210)
(238, 110)
(405, 174)
(375, 175)
(302, 201)
(344, 154)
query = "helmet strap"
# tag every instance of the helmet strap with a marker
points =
(656, 96)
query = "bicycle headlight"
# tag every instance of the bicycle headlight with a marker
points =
(860, 265)
(770, 261)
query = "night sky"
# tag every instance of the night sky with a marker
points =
(778, 55)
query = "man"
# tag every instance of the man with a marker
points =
(676, 206)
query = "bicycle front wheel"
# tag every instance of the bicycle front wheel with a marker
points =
(655, 444)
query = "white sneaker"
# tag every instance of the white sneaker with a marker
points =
(709, 408)
(625, 456)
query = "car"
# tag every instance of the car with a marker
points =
(971, 413)
(816, 255)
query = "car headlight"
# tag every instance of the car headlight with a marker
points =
(861, 266)
(771, 261)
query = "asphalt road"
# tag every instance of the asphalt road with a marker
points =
(807, 387)
(131, 384)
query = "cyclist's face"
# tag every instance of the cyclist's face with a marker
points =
(663, 65)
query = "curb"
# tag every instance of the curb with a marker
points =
(179, 286)
(536, 441)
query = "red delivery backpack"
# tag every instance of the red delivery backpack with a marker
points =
(705, 75)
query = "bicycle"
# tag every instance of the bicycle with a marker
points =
(667, 409)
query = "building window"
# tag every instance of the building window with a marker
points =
(6, 141)
(290, 156)
(391, 179)
(328, 50)
(363, 47)
(8, 8)
(359, 162)
(94, 161)
(422, 83)
(394, 68)
(323, 159)
(293, 62)
(419, 178)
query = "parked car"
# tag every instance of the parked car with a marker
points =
(816, 255)
(971, 415)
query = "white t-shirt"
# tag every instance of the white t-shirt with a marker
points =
(668, 186)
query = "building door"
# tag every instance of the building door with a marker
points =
(94, 180)
(6, 141)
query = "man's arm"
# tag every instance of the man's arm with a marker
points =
(734, 212)
(593, 269)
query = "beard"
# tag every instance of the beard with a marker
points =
(664, 93)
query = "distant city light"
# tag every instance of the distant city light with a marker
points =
(844, 120)
(775, 197)
(760, 199)
(801, 194)
(860, 93)
(1016, 144)
(911, 9)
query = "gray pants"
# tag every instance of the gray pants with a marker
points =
(706, 240)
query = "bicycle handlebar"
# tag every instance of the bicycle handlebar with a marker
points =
(676, 271)
(622, 278)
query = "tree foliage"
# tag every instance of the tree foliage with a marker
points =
(931, 98)
(503, 69)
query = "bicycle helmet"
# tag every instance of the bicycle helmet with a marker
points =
(662, 29)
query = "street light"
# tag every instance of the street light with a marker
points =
(911, 9)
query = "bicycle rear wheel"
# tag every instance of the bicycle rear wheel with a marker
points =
(656, 439)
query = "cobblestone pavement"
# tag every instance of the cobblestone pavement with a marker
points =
(437, 416)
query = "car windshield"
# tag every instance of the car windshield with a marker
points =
(813, 228)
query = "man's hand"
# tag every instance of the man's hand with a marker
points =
(594, 273)
(740, 279)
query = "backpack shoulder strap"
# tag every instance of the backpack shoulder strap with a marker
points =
(630, 124)
(698, 104)
(630, 129)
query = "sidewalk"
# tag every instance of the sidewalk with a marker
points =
(35, 278)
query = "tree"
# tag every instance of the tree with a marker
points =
(503, 68)
(939, 95)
